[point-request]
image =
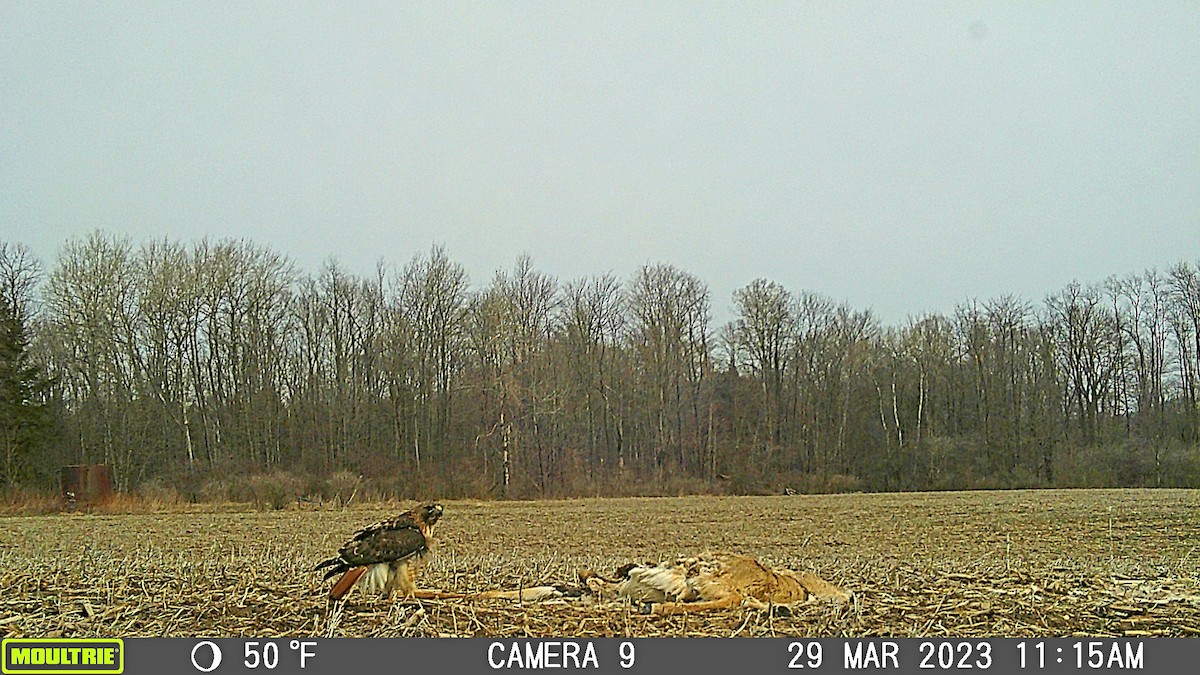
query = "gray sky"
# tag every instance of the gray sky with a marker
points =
(899, 156)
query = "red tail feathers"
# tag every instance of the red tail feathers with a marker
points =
(343, 585)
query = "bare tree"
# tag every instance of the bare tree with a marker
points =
(1184, 317)
(765, 328)
(669, 330)
(592, 320)
(814, 380)
(513, 325)
(433, 300)
(168, 309)
(342, 320)
(1085, 333)
(92, 299)
(20, 274)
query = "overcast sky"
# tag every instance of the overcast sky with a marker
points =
(902, 157)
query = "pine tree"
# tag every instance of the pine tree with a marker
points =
(24, 416)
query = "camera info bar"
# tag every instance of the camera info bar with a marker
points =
(316, 656)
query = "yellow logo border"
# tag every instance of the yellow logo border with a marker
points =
(4, 667)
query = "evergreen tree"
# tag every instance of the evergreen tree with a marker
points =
(24, 416)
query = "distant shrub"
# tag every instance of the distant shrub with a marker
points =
(157, 491)
(813, 483)
(842, 482)
(344, 486)
(274, 490)
(1181, 467)
(32, 502)
(217, 490)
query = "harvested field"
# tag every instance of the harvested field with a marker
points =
(1013, 563)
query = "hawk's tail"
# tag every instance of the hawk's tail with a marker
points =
(326, 563)
(336, 565)
(343, 586)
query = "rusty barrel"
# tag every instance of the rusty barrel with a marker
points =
(87, 482)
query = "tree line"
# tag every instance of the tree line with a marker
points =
(185, 366)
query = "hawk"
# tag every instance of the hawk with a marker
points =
(713, 581)
(385, 557)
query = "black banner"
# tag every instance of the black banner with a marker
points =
(314, 656)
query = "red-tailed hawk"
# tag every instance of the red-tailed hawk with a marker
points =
(713, 581)
(385, 557)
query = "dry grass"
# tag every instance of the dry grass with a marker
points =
(1019, 563)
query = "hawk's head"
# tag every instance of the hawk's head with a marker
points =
(427, 515)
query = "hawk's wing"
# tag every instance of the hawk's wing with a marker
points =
(405, 520)
(381, 544)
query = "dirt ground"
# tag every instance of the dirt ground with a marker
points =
(1011, 564)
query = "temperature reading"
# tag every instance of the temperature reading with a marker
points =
(267, 655)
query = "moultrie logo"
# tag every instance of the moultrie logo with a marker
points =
(65, 656)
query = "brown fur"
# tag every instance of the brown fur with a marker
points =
(746, 577)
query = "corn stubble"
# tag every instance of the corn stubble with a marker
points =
(1014, 563)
